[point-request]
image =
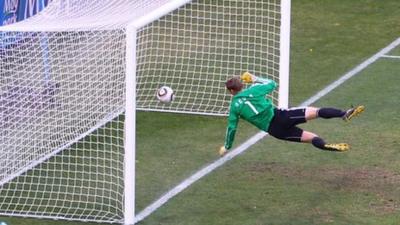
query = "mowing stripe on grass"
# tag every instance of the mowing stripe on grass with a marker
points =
(244, 146)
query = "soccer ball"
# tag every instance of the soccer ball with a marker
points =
(165, 94)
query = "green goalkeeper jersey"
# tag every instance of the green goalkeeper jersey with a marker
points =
(251, 105)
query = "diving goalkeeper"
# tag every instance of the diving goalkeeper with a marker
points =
(252, 105)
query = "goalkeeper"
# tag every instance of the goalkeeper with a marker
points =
(252, 105)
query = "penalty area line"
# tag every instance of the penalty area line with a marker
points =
(391, 56)
(257, 137)
(351, 73)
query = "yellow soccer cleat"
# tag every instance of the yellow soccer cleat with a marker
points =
(354, 111)
(341, 147)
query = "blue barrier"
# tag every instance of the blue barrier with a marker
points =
(9, 11)
(28, 8)
(12, 11)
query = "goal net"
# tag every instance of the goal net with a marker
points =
(72, 77)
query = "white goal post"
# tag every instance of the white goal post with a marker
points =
(73, 76)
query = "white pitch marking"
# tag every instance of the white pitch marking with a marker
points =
(351, 73)
(391, 56)
(244, 146)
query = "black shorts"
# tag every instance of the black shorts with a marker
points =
(283, 125)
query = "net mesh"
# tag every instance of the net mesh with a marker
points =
(62, 91)
(197, 48)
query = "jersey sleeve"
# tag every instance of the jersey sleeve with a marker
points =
(233, 120)
(263, 86)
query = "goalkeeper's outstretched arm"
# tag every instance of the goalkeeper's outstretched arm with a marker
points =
(251, 78)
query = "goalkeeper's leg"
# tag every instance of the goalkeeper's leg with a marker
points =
(328, 113)
(295, 116)
(316, 141)
(296, 134)
(283, 126)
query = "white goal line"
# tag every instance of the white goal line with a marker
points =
(244, 146)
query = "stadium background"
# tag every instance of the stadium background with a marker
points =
(12, 11)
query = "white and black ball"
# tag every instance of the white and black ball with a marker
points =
(165, 94)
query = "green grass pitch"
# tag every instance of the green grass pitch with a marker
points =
(284, 183)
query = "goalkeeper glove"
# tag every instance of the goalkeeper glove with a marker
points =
(248, 77)
(222, 151)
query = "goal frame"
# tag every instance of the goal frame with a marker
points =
(130, 105)
(130, 118)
